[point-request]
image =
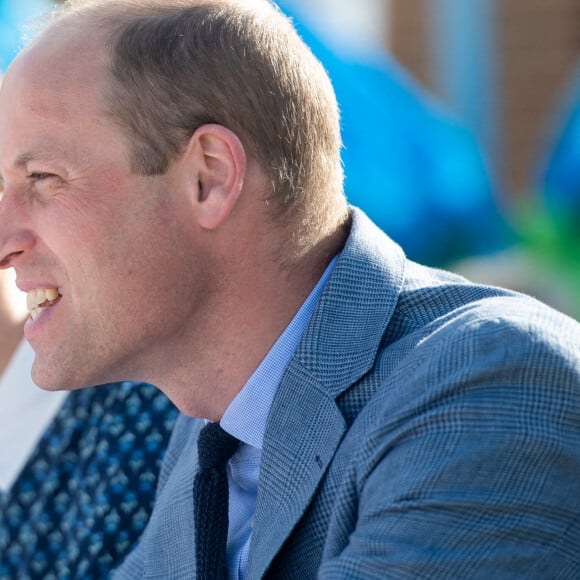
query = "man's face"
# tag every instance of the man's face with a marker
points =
(106, 251)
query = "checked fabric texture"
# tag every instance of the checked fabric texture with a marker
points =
(210, 500)
(86, 493)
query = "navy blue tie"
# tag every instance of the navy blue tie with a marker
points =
(210, 501)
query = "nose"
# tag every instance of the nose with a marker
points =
(15, 237)
(6, 261)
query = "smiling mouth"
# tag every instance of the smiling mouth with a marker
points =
(39, 300)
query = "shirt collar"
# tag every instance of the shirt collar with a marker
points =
(247, 414)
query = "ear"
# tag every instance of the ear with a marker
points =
(219, 162)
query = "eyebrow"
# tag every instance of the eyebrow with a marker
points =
(23, 159)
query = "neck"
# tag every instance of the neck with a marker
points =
(221, 350)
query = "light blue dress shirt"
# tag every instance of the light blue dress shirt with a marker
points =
(245, 418)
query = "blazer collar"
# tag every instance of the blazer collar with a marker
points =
(340, 344)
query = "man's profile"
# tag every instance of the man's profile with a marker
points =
(172, 201)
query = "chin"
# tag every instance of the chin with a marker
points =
(50, 380)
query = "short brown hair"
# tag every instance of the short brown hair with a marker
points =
(179, 64)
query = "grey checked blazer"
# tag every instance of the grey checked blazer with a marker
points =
(425, 428)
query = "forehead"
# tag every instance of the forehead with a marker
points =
(53, 89)
(59, 72)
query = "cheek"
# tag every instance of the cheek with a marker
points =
(152, 256)
(81, 231)
(134, 244)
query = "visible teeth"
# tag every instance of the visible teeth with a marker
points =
(39, 296)
(51, 294)
(36, 311)
(31, 300)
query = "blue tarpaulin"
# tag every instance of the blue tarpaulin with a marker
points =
(558, 178)
(416, 171)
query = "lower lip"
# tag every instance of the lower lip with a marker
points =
(34, 329)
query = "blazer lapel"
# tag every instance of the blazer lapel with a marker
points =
(293, 462)
(340, 344)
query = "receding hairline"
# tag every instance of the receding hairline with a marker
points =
(102, 23)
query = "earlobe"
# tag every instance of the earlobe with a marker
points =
(220, 162)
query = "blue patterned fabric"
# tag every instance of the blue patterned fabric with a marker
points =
(426, 427)
(86, 493)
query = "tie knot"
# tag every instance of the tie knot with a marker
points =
(215, 446)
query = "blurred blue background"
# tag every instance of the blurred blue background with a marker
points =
(14, 14)
(414, 168)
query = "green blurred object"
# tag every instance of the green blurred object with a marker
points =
(551, 237)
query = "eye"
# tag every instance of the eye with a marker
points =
(39, 176)
(43, 185)
(44, 177)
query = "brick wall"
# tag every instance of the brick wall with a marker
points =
(539, 44)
